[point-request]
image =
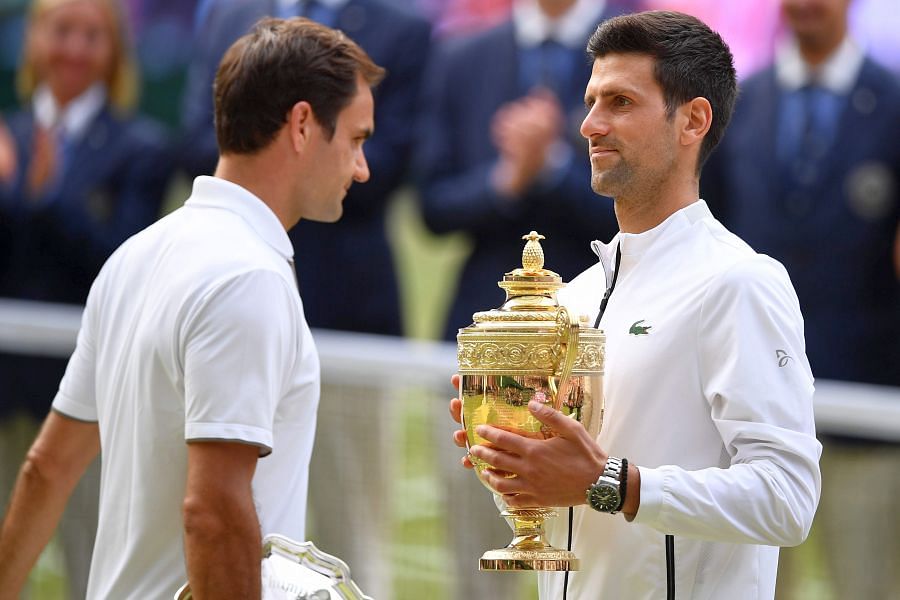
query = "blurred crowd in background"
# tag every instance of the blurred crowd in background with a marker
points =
(105, 104)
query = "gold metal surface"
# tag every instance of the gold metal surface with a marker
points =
(529, 348)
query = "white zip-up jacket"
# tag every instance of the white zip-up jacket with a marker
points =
(709, 392)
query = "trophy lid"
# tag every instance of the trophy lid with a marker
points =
(530, 333)
(532, 270)
(530, 289)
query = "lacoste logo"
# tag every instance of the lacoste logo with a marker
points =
(783, 358)
(638, 329)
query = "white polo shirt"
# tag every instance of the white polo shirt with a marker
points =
(709, 392)
(192, 331)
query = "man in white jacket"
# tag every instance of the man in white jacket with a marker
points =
(708, 446)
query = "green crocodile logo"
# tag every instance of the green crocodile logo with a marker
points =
(638, 329)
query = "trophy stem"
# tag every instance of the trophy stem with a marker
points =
(529, 549)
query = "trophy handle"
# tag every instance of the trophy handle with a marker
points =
(566, 351)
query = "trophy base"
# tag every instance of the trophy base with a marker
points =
(517, 559)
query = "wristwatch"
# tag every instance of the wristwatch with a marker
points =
(608, 494)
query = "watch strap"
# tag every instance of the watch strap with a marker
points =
(623, 485)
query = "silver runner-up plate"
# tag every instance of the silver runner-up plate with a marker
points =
(299, 571)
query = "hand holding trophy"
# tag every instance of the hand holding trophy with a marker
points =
(530, 348)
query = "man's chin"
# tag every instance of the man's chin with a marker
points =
(602, 186)
(332, 217)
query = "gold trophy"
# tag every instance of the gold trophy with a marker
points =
(529, 348)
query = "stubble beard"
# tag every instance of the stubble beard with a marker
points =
(629, 185)
(611, 182)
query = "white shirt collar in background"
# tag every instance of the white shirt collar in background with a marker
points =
(75, 118)
(571, 29)
(837, 74)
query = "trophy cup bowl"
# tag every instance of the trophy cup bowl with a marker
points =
(530, 348)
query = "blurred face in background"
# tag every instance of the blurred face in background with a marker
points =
(73, 45)
(554, 9)
(816, 23)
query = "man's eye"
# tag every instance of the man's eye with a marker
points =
(621, 101)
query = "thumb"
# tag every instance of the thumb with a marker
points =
(553, 419)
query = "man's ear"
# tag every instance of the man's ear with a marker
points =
(300, 124)
(698, 119)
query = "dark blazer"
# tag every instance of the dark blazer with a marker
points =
(469, 81)
(345, 269)
(835, 235)
(52, 247)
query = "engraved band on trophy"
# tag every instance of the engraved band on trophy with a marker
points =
(299, 571)
(529, 348)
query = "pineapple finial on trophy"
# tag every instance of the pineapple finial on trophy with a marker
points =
(533, 254)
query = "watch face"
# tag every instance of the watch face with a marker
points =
(604, 497)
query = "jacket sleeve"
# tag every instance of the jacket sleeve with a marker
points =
(759, 388)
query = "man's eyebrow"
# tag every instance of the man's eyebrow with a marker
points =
(607, 93)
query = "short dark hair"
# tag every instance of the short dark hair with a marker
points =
(279, 63)
(691, 61)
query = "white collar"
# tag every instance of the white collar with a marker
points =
(287, 5)
(837, 74)
(75, 118)
(572, 29)
(638, 243)
(214, 192)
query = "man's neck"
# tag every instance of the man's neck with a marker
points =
(257, 175)
(642, 212)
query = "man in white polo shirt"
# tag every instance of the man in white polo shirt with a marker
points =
(708, 443)
(194, 359)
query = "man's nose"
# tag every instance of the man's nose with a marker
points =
(595, 123)
(361, 174)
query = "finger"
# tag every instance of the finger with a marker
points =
(521, 501)
(497, 459)
(505, 131)
(500, 115)
(8, 155)
(454, 381)
(555, 420)
(459, 438)
(456, 410)
(506, 441)
(503, 482)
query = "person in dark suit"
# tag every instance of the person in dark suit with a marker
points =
(809, 172)
(78, 175)
(333, 298)
(501, 154)
(362, 295)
